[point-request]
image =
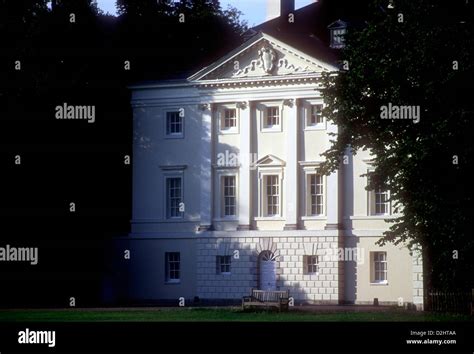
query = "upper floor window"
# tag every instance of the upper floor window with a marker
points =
(174, 197)
(272, 189)
(316, 116)
(172, 267)
(227, 118)
(174, 124)
(315, 195)
(230, 118)
(229, 195)
(272, 117)
(381, 202)
(378, 200)
(338, 30)
(312, 114)
(337, 37)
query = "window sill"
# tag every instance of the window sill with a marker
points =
(228, 131)
(172, 282)
(373, 217)
(269, 218)
(379, 283)
(316, 127)
(177, 136)
(174, 219)
(225, 274)
(272, 130)
(315, 217)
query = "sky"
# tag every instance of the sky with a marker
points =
(253, 10)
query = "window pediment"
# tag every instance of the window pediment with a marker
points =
(270, 161)
(310, 165)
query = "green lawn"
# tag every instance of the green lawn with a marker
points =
(216, 314)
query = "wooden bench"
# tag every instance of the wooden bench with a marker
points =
(267, 299)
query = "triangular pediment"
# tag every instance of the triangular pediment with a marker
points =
(270, 161)
(260, 57)
(337, 24)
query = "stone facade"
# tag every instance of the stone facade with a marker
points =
(418, 291)
(322, 287)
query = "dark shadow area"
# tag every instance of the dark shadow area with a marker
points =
(47, 59)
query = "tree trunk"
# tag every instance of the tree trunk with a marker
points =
(427, 277)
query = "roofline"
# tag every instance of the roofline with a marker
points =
(221, 61)
(259, 36)
(303, 77)
(317, 61)
(343, 24)
(159, 84)
(193, 80)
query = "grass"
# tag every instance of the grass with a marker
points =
(217, 314)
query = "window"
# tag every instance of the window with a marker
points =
(316, 115)
(223, 264)
(312, 114)
(174, 197)
(230, 118)
(381, 202)
(337, 37)
(378, 199)
(379, 267)
(272, 117)
(311, 264)
(172, 267)
(227, 117)
(174, 124)
(273, 195)
(315, 197)
(229, 195)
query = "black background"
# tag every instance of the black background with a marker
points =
(238, 337)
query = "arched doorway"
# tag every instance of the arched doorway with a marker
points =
(267, 270)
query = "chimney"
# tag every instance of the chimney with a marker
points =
(277, 8)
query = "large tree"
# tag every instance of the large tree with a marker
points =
(417, 53)
(67, 51)
(162, 36)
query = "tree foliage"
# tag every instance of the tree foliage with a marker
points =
(416, 53)
(48, 58)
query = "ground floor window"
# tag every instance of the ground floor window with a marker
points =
(172, 265)
(379, 267)
(311, 265)
(223, 264)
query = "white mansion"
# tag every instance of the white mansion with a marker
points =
(227, 195)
